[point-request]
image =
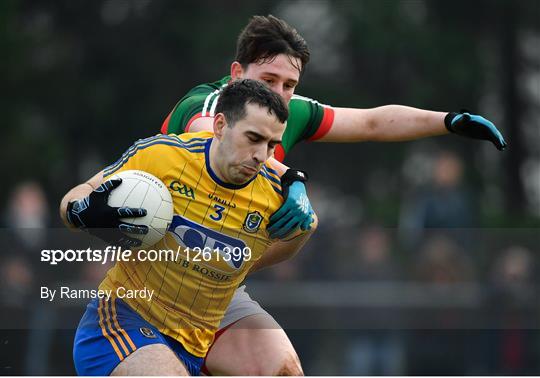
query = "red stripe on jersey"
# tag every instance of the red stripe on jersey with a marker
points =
(326, 124)
(279, 153)
(191, 120)
(165, 125)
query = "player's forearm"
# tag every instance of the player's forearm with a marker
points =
(278, 252)
(390, 123)
(78, 192)
(284, 249)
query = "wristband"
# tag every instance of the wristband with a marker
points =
(292, 175)
(76, 222)
(448, 120)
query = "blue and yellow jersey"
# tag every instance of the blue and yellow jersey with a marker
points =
(191, 296)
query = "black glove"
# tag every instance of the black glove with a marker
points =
(94, 215)
(474, 126)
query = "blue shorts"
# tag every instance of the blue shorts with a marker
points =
(109, 331)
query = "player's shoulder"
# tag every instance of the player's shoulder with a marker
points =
(190, 143)
(159, 152)
(270, 183)
(199, 136)
(201, 99)
(297, 99)
(208, 88)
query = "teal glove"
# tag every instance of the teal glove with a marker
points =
(474, 126)
(296, 211)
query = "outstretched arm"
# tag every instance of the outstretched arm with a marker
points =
(393, 123)
(390, 123)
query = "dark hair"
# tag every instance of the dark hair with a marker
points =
(234, 97)
(266, 37)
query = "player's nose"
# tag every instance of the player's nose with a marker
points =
(278, 88)
(260, 154)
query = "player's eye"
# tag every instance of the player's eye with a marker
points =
(269, 81)
(252, 138)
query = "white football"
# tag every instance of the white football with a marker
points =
(141, 189)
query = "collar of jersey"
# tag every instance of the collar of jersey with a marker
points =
(214, 177)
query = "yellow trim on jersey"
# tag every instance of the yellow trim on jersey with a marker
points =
(122, 331)
(106, 333)
(113, 331)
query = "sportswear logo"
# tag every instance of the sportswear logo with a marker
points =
(222, 201)
(193, 235)
(253, 222)
(147, 332)
(183, 189)
(303, 203)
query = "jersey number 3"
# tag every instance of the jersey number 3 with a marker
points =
(219, 213)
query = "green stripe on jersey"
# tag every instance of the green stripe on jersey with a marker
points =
(193, 103)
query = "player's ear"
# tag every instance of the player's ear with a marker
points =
(219, 124)
(237, 71)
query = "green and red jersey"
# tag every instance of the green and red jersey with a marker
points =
(308, 120)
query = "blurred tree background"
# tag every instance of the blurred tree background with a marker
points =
(82, 80)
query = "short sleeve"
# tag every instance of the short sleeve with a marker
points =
(150, 155)
(308, 120)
